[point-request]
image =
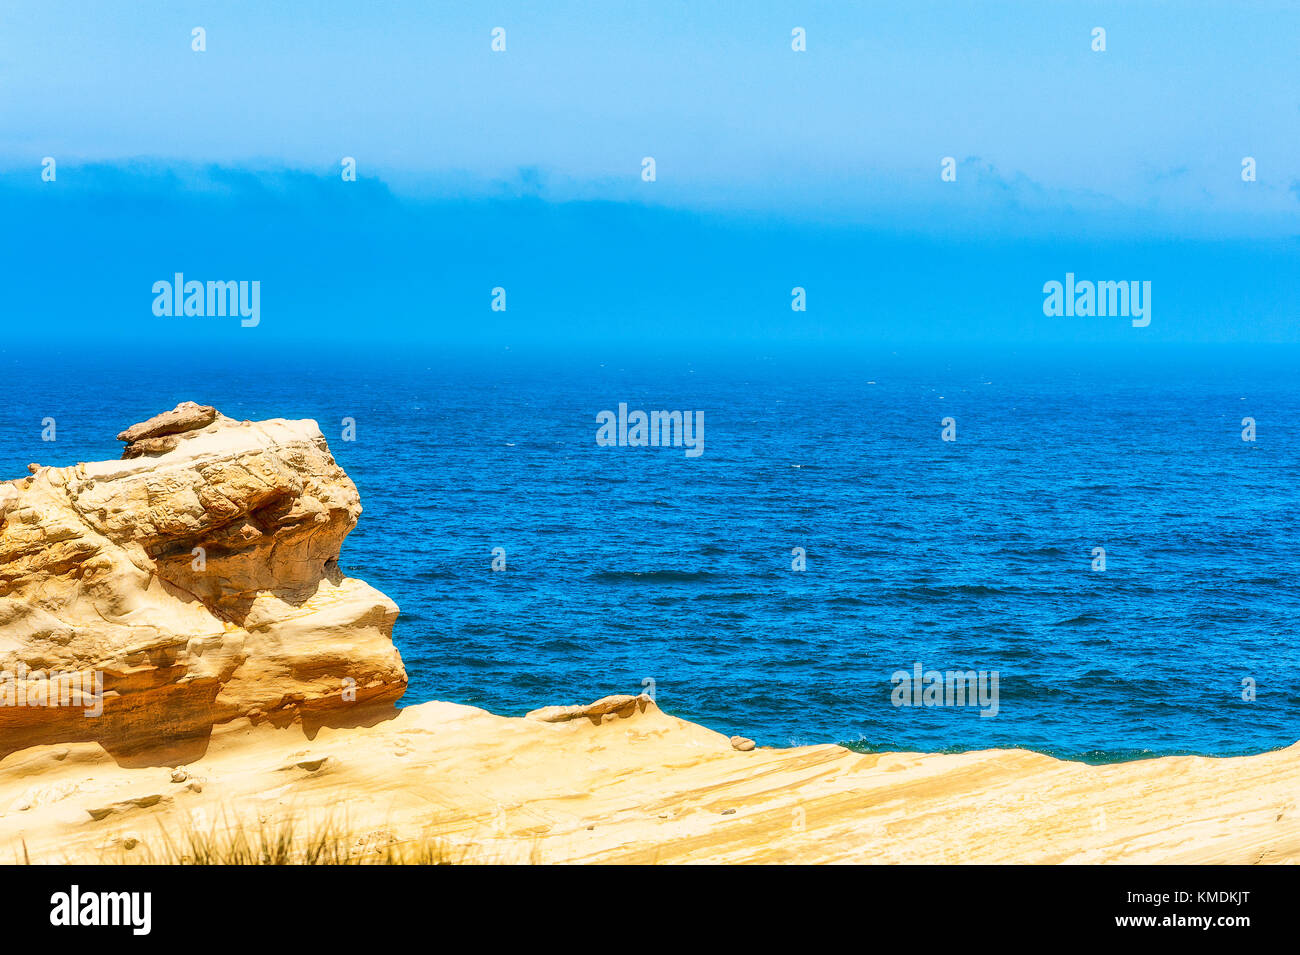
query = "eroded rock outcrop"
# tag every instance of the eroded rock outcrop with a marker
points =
(199, 575)
(620, 705)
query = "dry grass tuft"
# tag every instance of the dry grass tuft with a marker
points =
(282, 844)
(271, 844)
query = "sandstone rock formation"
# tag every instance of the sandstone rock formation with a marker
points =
(644, 787)
(199, 575)
(620, 705)
(186, 416)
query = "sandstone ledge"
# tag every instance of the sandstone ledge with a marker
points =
(647, 787)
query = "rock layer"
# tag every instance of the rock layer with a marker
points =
(200, 577)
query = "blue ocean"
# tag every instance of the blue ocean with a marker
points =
(630, 569)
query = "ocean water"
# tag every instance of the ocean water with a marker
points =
(627, 565)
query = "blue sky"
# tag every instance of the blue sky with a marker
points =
(775, 168)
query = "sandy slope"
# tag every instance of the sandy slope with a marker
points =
(651, 788)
